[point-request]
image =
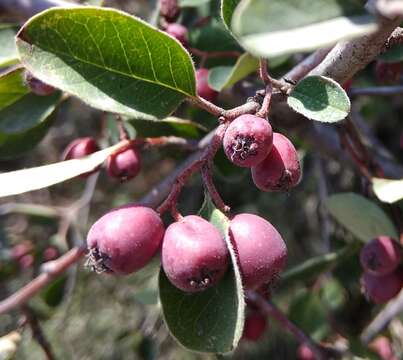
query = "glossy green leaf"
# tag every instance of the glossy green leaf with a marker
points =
(388, 190)
(227, 10)
(170, 126)
(309, 313)
(313, 267)
(12, 87)
(109, 59)
(223, 77)
(8, 50)
(362, 217)
(53, 294)
(320, 98)
(25, 122)
(212, 320)
(277, 27)
(15, 182)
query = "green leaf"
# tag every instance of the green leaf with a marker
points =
(8, 50)
(12, 87)
(392, 55)
(320, 98)
(192, 3)
(25, 122)
(15, 182)
(223, 77)
(109, 59)
(227, 10)
(387, 190)
(363, 218)
(170, 126)
(279, 27)
(53, 294)
(212, 320)
(333, 294)
(313, 267)
(309, 313)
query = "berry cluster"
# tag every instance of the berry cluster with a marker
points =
(382, 278)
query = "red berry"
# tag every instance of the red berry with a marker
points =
(20, 250)
(304, 352)
(261, 252)
(26, 261)
(169, 9)
(194, 254)
(179, 32)
(50, 253)
(124, 165)
(380, 289)
(79, 148)
(388, 73)
(255, 326)
(37, 86)
(380, 256)
(203, 88)
(248, 140)
(382, 346)
(281, 169)
(125, 239)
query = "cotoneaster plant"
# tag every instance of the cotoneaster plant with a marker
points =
(196, 79)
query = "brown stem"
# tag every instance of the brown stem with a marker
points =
(123, 134)
(51, 270)
(268, 308)
(37, 332)
(264, 110)
(212, 190)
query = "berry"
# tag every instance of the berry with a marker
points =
(380, 289)
(79, 148)
(304, 352)
(203, 88)
(281, 170)
(124, 165)
(169, 9)
(179, 32)
(380, 256)
(194, 254)
(124, 240)
(50, 253)
(26, 261)
(37, 86)
(248, 140)
(18, 251)
(255, 326)
(382, 346)
(387, 73)
(261, 251)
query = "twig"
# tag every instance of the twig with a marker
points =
(377, 91)
(51, 270)
(264, 110)
(392, 309)
(31, 209)
(268, 308)
(185, 144)
(209, 184)
(37, 332)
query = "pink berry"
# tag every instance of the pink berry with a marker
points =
(37, 86)
(124, 165)
(382, 346)
(261, 251)
(255, 326)
(169, 9)
(380, 289)
(380, 256)
(388, 73)
(194, 254)
(20, 250)
(26, 261)
(281, 169)
(203, 88)
(248, 140)
(50, 253)
(79, 148)
(179, 32)
(304, 352)
(124, 240)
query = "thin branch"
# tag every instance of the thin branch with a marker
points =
(377, 91)
(392, 309)
(268, 308)
(51, 270)
(37, 332)
(209, 184)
